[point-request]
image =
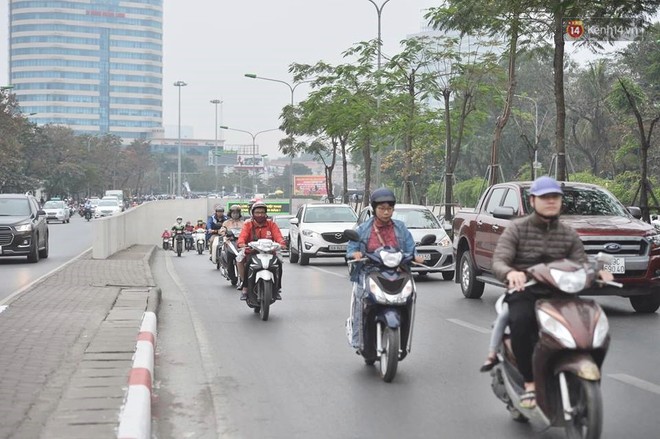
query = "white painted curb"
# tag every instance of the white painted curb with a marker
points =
(135, 415)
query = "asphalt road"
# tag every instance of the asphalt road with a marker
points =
(222, 372)
(66, 242)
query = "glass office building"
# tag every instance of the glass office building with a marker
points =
(92, 65)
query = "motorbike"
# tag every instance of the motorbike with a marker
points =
(88, 214)
(178, 241)
(188, 240)
(167, 238)
(263, 265)
(200, 240)
(388, 306)
(573, 341)
(228, 252)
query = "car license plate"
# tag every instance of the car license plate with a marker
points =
(337, 247)
(618, 266)
(426, 256)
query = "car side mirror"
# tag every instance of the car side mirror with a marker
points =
(504, 212)
(635, 211)
(352, 235)
(294, 221)
(428, 239)
(40, 212)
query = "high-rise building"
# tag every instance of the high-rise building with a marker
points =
(93, 65)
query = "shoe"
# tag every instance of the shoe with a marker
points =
(239, 287)
(244, 294)
(528, 400)
(277, 295)
(489, 364)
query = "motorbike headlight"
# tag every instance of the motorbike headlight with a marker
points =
(310, 233)
(601, 330)
(556, 329)
(376, 291)
(569, 281)
(390, 259)
(24, 227)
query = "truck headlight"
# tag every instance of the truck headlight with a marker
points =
(556, 329)
(24, 227)
(655, 241)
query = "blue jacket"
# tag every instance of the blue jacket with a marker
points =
(403, 236)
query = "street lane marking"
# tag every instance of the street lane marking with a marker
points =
(343, 276)
(3, 307)
(636, 382)
(470, 326)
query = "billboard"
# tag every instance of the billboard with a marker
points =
(309, 185)
(274, 207)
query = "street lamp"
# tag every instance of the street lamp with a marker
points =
(536, 133)
(215, 155)
(379, 12)
(254, 150)
(292, 88)
(179, 84)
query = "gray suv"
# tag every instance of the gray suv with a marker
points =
(23, 229)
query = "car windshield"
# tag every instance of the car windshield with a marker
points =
(282, 222)
(108, 203)
(14, 207)
(417, 218)
(587, 201)
(54, 205)
(330, 214)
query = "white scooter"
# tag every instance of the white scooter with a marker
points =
(200, 240)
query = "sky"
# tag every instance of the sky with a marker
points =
(211, 44)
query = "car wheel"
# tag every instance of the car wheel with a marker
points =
(43, 254)
(304, 260)
(34, 250)
(293, 254)
(645, 304)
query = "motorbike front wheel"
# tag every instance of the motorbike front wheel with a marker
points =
(389, 357)
(587, 405)
(200, 248)
(266, 289)
(179, 247)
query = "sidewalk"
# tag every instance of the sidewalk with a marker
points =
(66, 347)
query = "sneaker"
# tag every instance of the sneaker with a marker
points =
(244, 294)
(278, 296)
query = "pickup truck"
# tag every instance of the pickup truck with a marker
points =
(603, 223)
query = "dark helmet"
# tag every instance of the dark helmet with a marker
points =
(382, 195)
(545, 185)
(257, 205)
(235, 208)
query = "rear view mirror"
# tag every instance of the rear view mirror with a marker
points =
(635, 211)
(504, 212)
(352, 235)
(428, 239)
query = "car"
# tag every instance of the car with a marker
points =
(107, 207)
(23, 227)
(283, 222)
(317, 231)
(420, 220)
(57, 210)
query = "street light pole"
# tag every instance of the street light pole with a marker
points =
(536, 133)
(292, 89)
(254, 150)
(215, 155)
(379, 12)
(179, 84)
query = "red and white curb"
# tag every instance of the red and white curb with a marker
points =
(135, 416)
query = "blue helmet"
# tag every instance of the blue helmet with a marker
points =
(545, 185)
(382, 195)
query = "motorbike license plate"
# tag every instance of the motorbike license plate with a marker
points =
(337, 247)
(618, 266)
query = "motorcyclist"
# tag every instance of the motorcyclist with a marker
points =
(213, 225)
(235, 221)
(189, 229)
(87, 207)
(259, 227)
(537, 238)
(178, 226)
(378, 231)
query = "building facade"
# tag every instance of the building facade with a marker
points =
(92, 65)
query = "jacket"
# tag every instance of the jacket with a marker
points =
(251, 232)
(530, 240)
(403, 236)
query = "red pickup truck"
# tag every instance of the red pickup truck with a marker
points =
(603, 223)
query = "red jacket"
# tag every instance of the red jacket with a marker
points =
(251, 232)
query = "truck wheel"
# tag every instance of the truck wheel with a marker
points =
(470, 286)
(645, 304)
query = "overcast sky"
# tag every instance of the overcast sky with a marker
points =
(211, 44)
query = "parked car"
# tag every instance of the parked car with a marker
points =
(283, 223)
(23, 227)
(57, 211)
(107, 207)
(317, 231)
(438, 257)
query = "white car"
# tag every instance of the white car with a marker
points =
(57, 211)
(317, 231)
(438, 257)
(107, 207)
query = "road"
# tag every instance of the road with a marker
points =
(222, 372)
(66, 242)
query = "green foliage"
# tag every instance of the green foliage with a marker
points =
(468, 192)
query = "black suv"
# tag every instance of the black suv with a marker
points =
(23, 229)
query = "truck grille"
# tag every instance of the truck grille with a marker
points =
(615, 245)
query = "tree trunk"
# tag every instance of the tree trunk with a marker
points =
(560, 105)
(366, 155)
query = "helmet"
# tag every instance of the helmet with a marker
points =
(257, 205)
(187, 223)
(179, 218)
(382, 195)
(545, 185)
(200, 221)
(235, 208)
(219, 208)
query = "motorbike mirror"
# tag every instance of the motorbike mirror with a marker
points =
(352, 235)
(604, 258)
(428, 239)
